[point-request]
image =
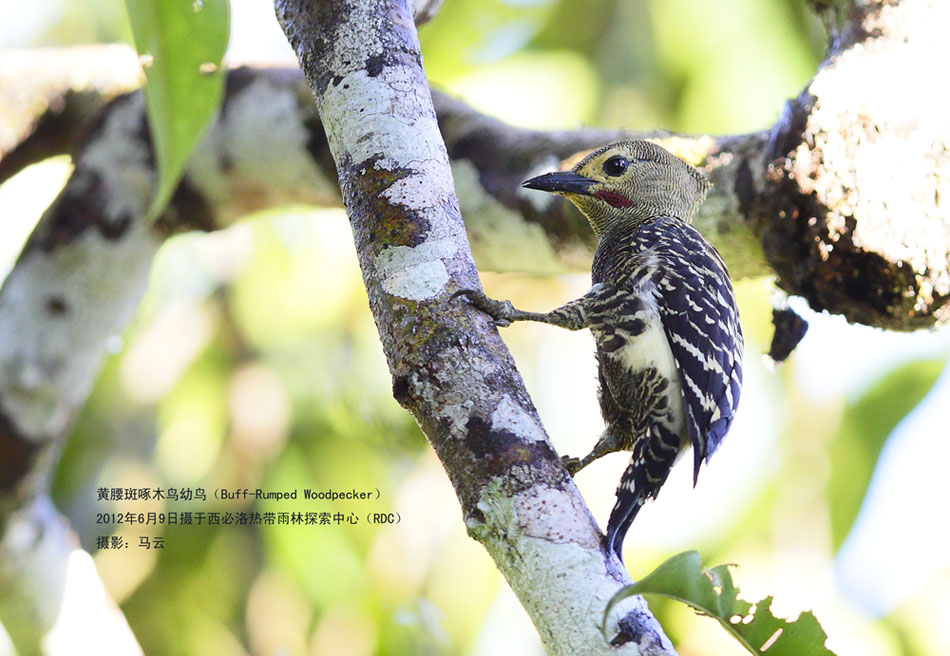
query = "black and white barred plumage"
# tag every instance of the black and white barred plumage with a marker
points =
(669, 346)
(662, 312)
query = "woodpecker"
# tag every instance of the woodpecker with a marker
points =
(662, 312)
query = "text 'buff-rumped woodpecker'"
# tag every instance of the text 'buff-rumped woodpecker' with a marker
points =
(662, 312)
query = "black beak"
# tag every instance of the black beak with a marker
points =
(563, 181)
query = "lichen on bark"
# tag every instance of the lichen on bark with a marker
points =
(449, 365)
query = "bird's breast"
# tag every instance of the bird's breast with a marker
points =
(648, 347)
(641, 351)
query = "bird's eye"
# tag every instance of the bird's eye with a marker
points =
(615, 166)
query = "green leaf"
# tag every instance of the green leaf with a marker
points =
(712, 592)
(180, 44)
(865, 427)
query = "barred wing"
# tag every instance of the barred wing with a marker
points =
(698, 311)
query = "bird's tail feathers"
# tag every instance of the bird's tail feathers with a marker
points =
(621, 517)
(653, 457)
(699, 453)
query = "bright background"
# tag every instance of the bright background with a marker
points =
(254, 362)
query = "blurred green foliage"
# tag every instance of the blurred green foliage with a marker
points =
(631, 64)
(254, 363)
(866, 424)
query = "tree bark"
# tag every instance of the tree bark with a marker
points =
(843, 200)
(816, 200)
(77, 281)
(52, 600)
(851, 205)
(450, 367)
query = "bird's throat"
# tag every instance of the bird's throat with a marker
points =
(613, 198)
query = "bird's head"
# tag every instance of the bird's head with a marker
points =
(627, 182)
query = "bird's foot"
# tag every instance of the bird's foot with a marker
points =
(501, 312)
(572, 465)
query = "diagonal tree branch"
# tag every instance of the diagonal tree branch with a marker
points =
(449, 365)
(77, 281)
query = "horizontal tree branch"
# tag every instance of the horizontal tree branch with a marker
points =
(47, 94)
(815, 200)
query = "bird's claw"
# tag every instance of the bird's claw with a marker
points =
(499, 311)
(467, 293)
(572, 465)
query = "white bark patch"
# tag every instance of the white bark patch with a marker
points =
(415, 273)
(417, 282)
(121, 159)
(536, 514)
(262, 136)
(376, 116)
(418, 272)
(397, 133)
(429, 185)
(57, 309)
(458, 416)
(511, 417)
(358, 32)
(569, 593)
(883, 137)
